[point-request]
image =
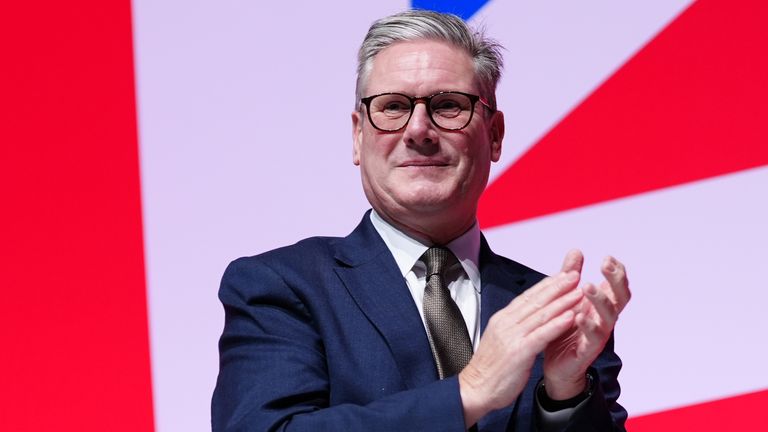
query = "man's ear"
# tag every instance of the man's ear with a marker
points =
(357, 136)
(497, 135)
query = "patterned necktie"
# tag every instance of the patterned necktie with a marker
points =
(446, 330)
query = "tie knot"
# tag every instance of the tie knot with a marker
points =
(438, 259)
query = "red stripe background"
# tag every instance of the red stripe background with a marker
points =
(739, 413)
(73, 310)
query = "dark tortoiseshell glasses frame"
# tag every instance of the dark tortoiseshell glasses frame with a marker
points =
(473, 99)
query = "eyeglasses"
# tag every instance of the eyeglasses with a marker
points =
(450, 110)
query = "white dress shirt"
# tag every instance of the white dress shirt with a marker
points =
(464, 284)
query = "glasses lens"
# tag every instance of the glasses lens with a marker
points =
(451, 110)
(390, 111)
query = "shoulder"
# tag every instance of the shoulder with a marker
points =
(304, 252)
(519, 268)
(305, 256)
(287, 275)
(490, 262)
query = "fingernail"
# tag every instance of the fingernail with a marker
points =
(591, 289)
(610, 266)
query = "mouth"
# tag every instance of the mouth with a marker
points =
(424, 163)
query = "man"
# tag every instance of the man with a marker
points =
(411, 322)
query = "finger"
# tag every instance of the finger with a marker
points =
(597, 324)
(594, 333)
(616, 275)
(555, 308)
(574, 260)
(541, 294)
(584, 306)
(606, 311)
(543, 335)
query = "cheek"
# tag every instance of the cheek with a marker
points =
(477, 164)
(473, 154)
(375, 154)
(378, 148)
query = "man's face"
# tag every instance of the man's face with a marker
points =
(423, 173)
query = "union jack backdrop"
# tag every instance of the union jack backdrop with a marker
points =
(146, 144)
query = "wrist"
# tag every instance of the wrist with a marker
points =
(473, 401)
(563, 389)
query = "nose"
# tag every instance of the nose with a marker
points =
(420, 133)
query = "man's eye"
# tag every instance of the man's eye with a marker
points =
(396, 106)
(447, 104)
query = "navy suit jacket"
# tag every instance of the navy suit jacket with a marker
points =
(324, 335)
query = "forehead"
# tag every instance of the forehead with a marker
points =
(420, 68)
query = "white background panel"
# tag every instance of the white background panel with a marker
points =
(696, 257)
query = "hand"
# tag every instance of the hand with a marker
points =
(500, 368)
(567, 358)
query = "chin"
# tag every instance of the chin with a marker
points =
(428, 203)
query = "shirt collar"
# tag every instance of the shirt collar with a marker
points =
(407, 250)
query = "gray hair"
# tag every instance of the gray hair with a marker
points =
(422, 24)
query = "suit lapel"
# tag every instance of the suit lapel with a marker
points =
(502, 280)
(370, 275)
